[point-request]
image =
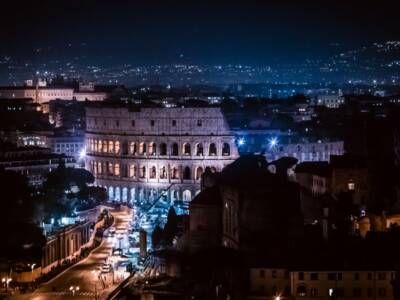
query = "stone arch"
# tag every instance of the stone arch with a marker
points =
(163, 172)
(142, 148)
(212, 149)
(132, 148)
(125, 194)
(213, 169)
(175, 149)
(110, 193)
(199, 173)
(226, 149)
(186, 149)
(163, 149)
(187, 173)
(117, 193)
(199, 149)
(174, 173)
(143, 172)
(152, 148)
(186, 195)
(153, 172)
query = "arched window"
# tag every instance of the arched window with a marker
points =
(105, 148)
(117, 194)
(187, 195)
(152, 148)
(163, 173)
(99, 146)
(153, 172)
(199, 173)
(301, 291)
(175, 149)
(96, 148)
(174, 173)
(99, 168)
(111, 193)
(110, 169)
(142, 148)
(186, 149)
(143, 172)
(226, 149)
(199, 149)
(117, 147)
(132, 148)
(110, 146)
(212, 151)
(132, 171)
(186, 173)
(116, 169)
(163, 149)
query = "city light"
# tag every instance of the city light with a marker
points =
(241, 142)
(273, 142)
(82, 154)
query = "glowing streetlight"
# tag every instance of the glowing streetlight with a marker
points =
(6, 281)
(82, 154)
(241, 142)
(273, 142)
(74, 289)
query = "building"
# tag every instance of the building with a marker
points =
(276, 144)
(143, 153)
(303, 283)
(33, 162)
(68, 144)
(44, 93)
(330, 101)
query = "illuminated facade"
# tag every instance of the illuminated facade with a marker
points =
(137, 155)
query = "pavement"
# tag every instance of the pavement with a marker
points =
(82, 274)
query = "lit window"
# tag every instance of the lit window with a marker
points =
(351, 186)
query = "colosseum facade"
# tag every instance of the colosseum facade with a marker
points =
(140, 154)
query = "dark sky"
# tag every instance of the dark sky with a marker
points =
(255, 32)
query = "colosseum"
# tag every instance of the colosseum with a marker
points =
(140, 154)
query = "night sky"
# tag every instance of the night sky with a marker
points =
(252, 32)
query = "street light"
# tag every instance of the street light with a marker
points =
(74, 289)
(6, 281)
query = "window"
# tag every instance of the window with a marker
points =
(152, 123)
(331, 276)
(110, 147)
(351, 186)
(186, 149)
(313, 292)
(199, 123)
(163, 149)
(143, 172)
(262, 273)
(174, 123)
(226, 149)
(152, 148)
(132, 171)
(174, 173)
(199, 173)
(153, 173)
(117, 123)
(356, 292)
(142, 148)
(314, 276)
(382, 292)
(133, 123)
(116, 169)
(132, 148)
(199, 149)
(301, 291)
(175, 149)
(301, 276)
(117, 147)
(186, 173)
(163, 173)
(382, 276)
(212, 151)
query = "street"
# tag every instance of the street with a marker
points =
(82, 281)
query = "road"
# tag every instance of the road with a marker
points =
(82, 274)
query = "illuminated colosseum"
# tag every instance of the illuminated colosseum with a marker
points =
(143, 153)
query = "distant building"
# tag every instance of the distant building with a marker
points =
(68, 144)
(33, 162)
(330, 101)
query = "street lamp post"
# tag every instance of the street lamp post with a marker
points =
(6, 281)
(74, 289)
